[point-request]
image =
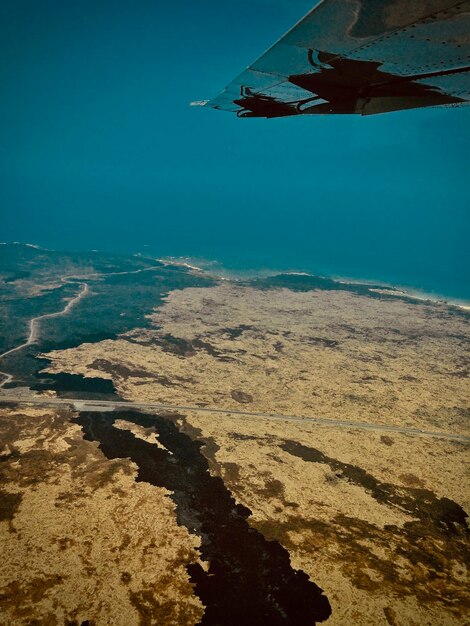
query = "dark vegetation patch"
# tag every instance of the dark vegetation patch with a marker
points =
(153, 609)
(451, 416)
(46, 268)
(463, 373)
(390, 616)
(116, 303)
(10, 276)
(126, 577)
(321, 341)
(409, 378)
(272, 487)
(236, 331)
(19, 597)
(411, 480)
(241, 396)
(188, 347)
(35, 467)
(414, 560)
(242, 437)
(369, 358)
(303, 282)
(358, 399)
(9, 503)
(118, 370)
(16, 311)
(249, 580)
(39, 464)
(433, 544)
(447, 516)
(77, 386)
(231, 473)
(372, 378)
(175, 345)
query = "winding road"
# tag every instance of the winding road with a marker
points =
(34, 323)
(34, 326)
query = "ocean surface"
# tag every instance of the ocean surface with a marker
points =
(100, 150)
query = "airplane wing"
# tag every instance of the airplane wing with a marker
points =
(360, 56)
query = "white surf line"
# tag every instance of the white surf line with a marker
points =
(142, 269)
(105, 274)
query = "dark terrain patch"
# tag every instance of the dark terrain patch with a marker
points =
(9, 503)
(187, 348)
(77, 386)
(236, 331)
(443, 513)
(21, 597)
(117, 302)
(241, 396)
(231, 473)
(390, 616)
(243, 437)
(414, 560)
(249, 580)
(117, 370)
(409, 378)
(321, 341)
(419, 558)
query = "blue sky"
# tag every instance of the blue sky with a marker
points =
(101, 150)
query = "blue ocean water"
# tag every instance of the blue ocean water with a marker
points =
(100, 150)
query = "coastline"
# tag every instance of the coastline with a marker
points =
(376, 286)
(216, 269)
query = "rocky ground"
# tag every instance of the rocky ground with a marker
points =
(102, 520)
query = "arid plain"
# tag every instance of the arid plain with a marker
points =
(376, 518)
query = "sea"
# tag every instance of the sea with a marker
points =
(441, 274)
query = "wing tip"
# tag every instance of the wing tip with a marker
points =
(198, 103)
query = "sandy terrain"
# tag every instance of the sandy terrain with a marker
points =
(359, 520)
(80, 539)
(378, 521)
(320, 353)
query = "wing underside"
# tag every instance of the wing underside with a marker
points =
(360, 56)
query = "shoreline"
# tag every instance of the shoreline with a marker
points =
(375, 286)
(216, 269)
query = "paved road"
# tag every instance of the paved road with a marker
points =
(110, 405)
